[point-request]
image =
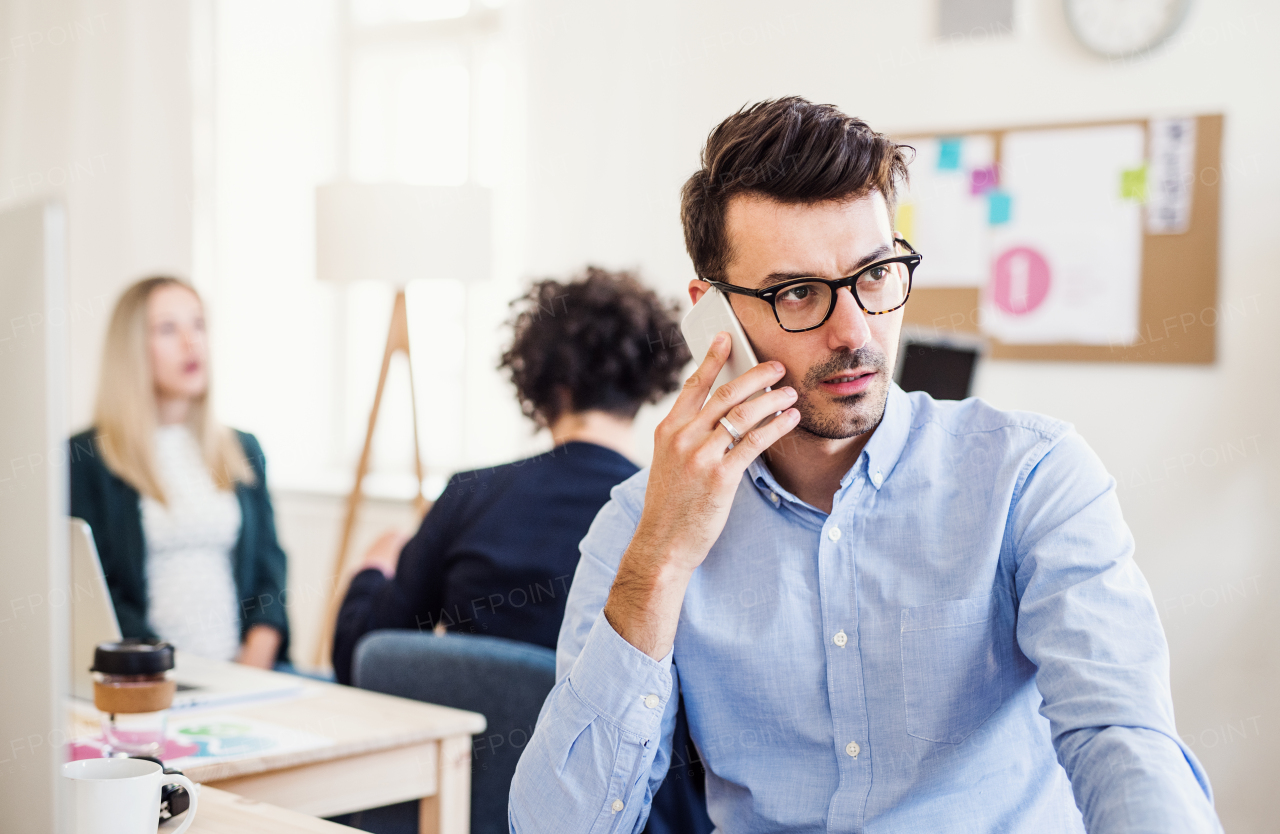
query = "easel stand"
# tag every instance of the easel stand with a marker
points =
(397, 340)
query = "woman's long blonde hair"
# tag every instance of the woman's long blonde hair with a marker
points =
(125, 412)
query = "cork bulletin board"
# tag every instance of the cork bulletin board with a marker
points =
(1178, 294)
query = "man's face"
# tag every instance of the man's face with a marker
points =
(841, 371)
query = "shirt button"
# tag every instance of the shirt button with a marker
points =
(851, 748)
(617, 806)
(877, 478)
(834, 534)
(840, 639)
(773, 496)
(651, 701)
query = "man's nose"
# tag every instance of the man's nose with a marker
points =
(847, 327)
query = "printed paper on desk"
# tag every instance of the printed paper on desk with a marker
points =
(205, 739)
(1067, 266)
(943, 213)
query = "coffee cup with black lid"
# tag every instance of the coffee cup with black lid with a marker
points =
(133, 688)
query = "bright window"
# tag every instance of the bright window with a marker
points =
(401, 91)
(374, 12)
(410, 119)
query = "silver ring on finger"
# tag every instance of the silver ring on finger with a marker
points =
(734, 433)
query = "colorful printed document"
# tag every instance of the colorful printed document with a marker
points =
(205, 739)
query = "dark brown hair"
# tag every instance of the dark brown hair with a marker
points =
(601, 341)
(789, 150)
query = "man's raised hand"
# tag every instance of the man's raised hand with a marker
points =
(691, 486)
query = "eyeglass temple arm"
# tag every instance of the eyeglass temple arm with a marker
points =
(722, 286)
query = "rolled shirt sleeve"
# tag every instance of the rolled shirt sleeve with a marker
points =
(1087, 619)
(603, 741)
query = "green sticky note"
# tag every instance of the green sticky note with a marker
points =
(1133, 184)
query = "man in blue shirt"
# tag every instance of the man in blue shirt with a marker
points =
(885, 613)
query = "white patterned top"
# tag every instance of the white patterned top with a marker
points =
(191, 589)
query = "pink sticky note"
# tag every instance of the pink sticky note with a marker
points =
(982, 180)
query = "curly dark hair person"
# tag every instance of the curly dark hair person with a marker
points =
(603, 341)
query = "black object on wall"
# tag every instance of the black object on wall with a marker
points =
(943, 371)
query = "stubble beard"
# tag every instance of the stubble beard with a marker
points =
(843, 417)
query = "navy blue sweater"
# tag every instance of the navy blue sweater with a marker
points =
(495, 555)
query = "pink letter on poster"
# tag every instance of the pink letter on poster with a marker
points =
(1021, 280)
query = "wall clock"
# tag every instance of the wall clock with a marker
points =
(1124, 28)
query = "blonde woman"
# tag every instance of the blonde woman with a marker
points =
(178, 503)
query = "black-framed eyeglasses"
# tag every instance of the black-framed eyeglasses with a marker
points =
(804, 304)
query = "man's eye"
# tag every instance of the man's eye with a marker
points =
(878, 273)
(796, 293)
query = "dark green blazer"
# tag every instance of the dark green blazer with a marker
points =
(111, 508)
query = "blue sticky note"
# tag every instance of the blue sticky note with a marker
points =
(949, 154)
(999, 207)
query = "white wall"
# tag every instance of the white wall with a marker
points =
(620, 99)
(92, 112)
(95, 105)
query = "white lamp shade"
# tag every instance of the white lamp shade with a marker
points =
(396, 233)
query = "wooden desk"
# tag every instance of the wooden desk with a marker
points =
(385, 750)
(225, 813)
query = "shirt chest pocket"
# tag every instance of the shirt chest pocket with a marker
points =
(957, 659)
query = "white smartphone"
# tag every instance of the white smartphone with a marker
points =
(711, 315)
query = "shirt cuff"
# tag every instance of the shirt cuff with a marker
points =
(622, 684)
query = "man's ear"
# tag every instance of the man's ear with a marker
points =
(697, 288)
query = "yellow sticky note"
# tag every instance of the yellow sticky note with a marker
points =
(904, 221)
(1133, 184)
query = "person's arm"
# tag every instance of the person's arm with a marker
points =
(1087, 619)
(407, 594)
(96, 497)
(266, 610)
(602, 743)
(603, 739)
(260, 647)
(691, 486)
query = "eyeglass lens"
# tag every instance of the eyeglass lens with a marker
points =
(805, 305)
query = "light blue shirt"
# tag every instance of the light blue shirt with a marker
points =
(963, 645)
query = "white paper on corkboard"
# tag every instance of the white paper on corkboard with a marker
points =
(1066, 264)
(943, 212)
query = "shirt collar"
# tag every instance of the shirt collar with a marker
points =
(760, 475)
(888, 440)
(881, 453)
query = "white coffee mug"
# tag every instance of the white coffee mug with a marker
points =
(120, 796)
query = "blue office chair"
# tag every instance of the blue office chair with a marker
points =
(504, 680)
